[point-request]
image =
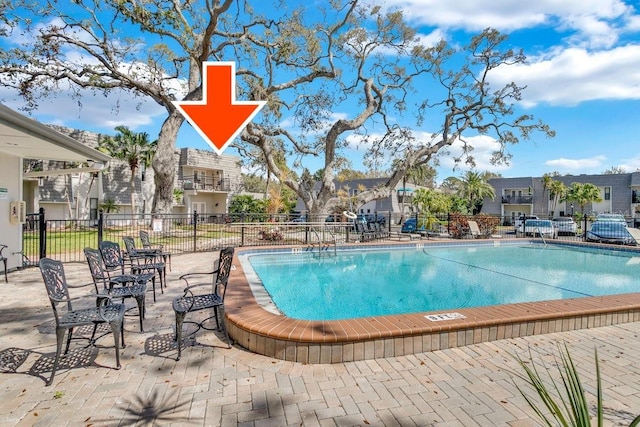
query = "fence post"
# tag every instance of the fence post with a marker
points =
(100, 226)
(195, 229)
(242, 235)
(42, 231)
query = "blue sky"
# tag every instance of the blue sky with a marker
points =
(582, 78)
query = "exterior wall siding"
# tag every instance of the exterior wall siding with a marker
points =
(620, 201)
(114, 181)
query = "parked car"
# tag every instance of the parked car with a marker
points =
(519, 221)
(301, 218)
(565, 225)
(611, 217)
(538, 227)
(610, 232)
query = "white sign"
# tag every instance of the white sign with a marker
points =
(445, 316)
(157, 225)
(3, 193)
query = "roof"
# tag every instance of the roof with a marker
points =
(30, 139)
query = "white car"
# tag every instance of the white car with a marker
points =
(565, 225)
(538, 227)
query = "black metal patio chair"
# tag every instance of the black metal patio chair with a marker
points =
(145, 260)
(120, 286)
(114, 264)
(213, 298)
(67, 318)
(4, 261)
(158, 247)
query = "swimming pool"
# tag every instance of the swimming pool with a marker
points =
(397, 281)
(255, 324)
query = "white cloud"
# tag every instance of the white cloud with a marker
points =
(631, 164)
(95, 110)
(575, 75)
(589, 18)
(582, 165)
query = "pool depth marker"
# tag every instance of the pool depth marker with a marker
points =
(219, 117)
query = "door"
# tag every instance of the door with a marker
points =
(200, 208)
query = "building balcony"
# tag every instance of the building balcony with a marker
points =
(208, 184)
(517, 200)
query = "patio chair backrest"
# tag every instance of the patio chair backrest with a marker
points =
(111, 256)
(144, 238)
(96, 267)
(473, 228)
(55, 283)
(129, 244)
(224, 267)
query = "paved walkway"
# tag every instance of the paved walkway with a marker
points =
(212, 385)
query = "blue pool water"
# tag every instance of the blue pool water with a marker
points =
(396, 281)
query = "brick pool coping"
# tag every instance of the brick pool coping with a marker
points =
(336, 341)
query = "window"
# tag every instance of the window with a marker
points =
(200, 207)
(93, 208)
(607, 193)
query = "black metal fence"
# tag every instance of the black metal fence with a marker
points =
(179, 233)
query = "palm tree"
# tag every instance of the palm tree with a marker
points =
(475, 189)
(546, 185)
(557, 192)
(417, 174)
(133, 148)
(583, 194)
(109, 205)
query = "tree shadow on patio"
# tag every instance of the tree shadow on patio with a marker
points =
(152, 410)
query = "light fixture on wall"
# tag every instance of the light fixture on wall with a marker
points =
(40, 181)
(216, 205)
(95, 165)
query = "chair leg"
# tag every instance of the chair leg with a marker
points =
(66, 350)
(179, 322)
(141, 309)
(59, 341)
(6, 280)
(221, 320)
(118, 333)
(163, 278)
(224, 325)
(153, 283)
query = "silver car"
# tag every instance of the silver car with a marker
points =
(565, 225)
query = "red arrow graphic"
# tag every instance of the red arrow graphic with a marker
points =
(219, 118)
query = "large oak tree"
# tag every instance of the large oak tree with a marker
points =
(344, 74)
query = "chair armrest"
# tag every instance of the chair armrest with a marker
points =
(188, 275)
(190, 287)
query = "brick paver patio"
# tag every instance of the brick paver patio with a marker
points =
(212, 385)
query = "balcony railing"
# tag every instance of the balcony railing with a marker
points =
(206, 183)
(518, 200)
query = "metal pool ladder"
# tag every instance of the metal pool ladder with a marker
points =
(321, 244)
(541, 236)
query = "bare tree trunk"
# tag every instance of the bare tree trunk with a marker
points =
(164, 164)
